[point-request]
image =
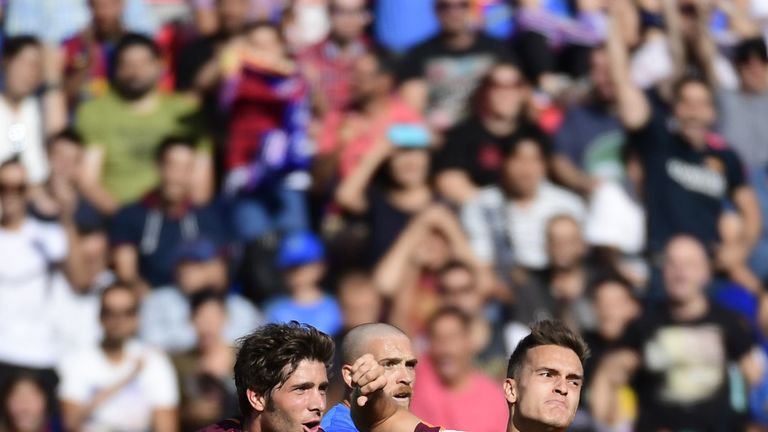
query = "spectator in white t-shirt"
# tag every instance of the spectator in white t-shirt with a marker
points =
(506, 223)
(30, 251)
(78, 307)
(119, 384)
(27, 67)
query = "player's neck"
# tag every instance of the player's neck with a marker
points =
(517, 424)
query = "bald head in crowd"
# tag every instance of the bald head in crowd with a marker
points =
(391, 348)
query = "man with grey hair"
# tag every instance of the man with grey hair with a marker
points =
(392, 349)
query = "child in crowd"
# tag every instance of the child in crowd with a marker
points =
(301, 259)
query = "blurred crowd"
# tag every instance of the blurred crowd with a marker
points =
(175, 173)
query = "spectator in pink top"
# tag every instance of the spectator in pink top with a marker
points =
(348, 136)
(450, 391)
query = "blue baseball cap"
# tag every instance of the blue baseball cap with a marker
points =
(300, 248)
(199, 250)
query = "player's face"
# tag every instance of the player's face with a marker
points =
(395, 354)
(299, 403)
(547, 389)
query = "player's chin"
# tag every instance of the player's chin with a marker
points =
(558, 417)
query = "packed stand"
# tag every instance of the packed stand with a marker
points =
(174, 174)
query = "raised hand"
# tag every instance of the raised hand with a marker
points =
(367, 377)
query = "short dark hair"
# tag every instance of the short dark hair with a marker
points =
(534, 135)
(34, 378)
(16, 44)
(205, 296)
(173, 141)
(385, 61)
(127, 286)
(477, 98)
(546, 332)
(615, 279)
(131, 40)
(269, 356)
(679, 85)
(67, 134)
(751, 48)
(13, 160)
(449, 312)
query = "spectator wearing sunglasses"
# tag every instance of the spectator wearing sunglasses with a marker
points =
(439, 75)
(29, 251)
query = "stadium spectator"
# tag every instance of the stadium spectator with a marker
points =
(359, 300)
(23, 405)
(196, 69)
(267, 154)
(473, 154)
(56, 22)
(77, 316)
(548, 43)
(689, 172)
(281, 378)
(119, 383)
(687, 334)
(347, 136)
(507, 223)
(450, 391)
(560, 289)
(123, 128)
(588, 145)
(206, 386)
(87, 54)
(60, 195)
(391, 348)
(439, 75)
(301, 258)
(389, 187)
(329, 65)
(616, 306)
(30, 253)
(165, 313)
(741, 123)
(26, 119)
(146, 234)
(457, 283)
(406, 274)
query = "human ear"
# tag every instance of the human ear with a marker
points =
(346, 375)
(510, 390)
(258, 402)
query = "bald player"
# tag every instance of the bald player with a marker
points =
(543, 386)
(389, 348)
